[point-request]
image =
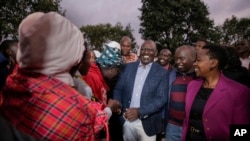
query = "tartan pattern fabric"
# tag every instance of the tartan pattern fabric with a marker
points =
(130, 58)
(49, 109)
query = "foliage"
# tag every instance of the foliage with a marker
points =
(235, 29)
(97, 35)
(176, 22)
(13, 11)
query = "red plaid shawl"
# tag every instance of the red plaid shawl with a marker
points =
(130, 58)
(49, 109)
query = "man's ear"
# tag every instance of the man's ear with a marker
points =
(156, 53)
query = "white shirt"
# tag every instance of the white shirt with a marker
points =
(141, 75)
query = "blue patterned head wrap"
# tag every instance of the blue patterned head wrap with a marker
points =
(110, 56)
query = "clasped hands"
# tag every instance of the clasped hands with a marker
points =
(115, 106)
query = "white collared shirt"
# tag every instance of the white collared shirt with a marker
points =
(141, 75)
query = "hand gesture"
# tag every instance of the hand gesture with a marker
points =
(114, 105)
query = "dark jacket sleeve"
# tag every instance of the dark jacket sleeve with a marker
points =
(9, 133)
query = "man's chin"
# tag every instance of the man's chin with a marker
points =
(145, 62)
(125, 54)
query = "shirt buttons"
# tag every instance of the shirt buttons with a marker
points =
(208, 129)
(205, 120)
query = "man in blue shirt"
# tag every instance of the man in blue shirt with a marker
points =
(142, 89)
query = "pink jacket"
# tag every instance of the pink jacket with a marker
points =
(228, 104)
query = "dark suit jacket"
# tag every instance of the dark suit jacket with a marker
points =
(154, 95)
(10, 133)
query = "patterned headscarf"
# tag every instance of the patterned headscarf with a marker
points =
(110, 56)
(49, 44)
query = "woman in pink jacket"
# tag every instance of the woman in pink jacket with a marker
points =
(214, 102)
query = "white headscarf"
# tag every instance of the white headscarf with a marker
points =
(49, 44)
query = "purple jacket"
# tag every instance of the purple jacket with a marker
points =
(228, 104)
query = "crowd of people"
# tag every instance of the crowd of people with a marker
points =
(55, 88)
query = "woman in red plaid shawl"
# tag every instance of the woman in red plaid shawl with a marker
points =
(39, 98)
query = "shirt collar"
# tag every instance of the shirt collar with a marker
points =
(192, 74)
(146, 66)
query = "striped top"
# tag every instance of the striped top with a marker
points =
(177, 97)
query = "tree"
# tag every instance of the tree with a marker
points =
(176, 22)
(235, 29)
(97, 35)
(12, 12)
